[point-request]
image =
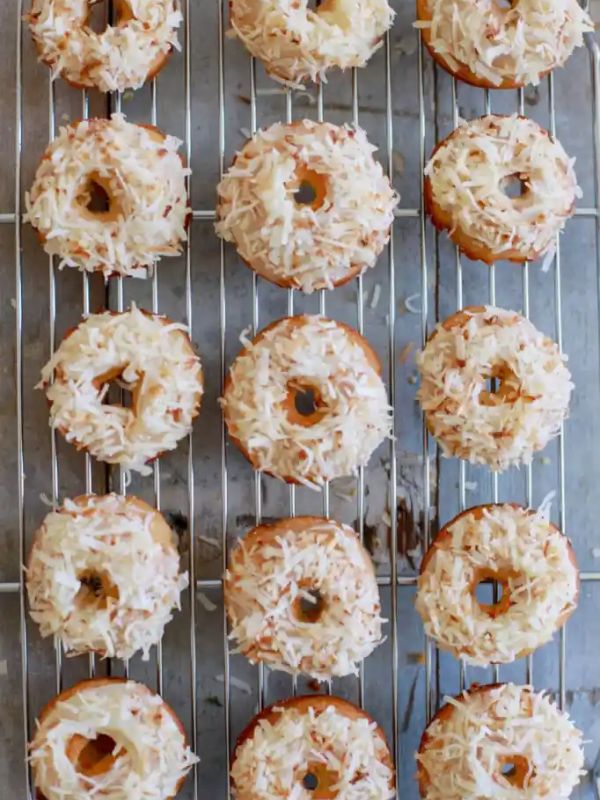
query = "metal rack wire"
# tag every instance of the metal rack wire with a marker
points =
(115, 296)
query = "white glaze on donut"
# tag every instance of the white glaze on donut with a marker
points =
(152, 756)
(352, 416)
(148, 354)
(498, 429)
(496, 43)
(314, 245)
(318, 735)
(297, 43)
(103, 575)
(469, 170)
(142, 174)
(522, 550)
(275, 566)
(470, 741)
(122, 57)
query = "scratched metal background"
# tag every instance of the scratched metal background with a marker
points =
(212, 96)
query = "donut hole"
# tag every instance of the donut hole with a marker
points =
(491, 592)
(304, 404)
(95, 198)
(92, 757)
(115, 390)
(318, 780)
(96, 590)
(514, 187)
(309, 188)
(500, 385)
(98, 18)
(309, 606)
(515, 770)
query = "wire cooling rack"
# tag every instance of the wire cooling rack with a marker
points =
(213, 96)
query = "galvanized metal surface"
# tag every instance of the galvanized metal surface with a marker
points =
(212, 96)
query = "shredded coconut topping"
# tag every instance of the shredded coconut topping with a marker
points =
(284, 746)
(148, 354)
(307, 245)
(297, 43)
(468, 173)
(317, 561)
(470, 743)
(104, 575)
(152, 756)
(499, 428)
(518, 43)
(119, 58)
(143, 177)
(521, 549)
(296, 354)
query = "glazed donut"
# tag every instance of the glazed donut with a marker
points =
(138, 169)
(103, 575)
(466, 178)
(296, 43)
(313, 747)
(496, 46)
(148, 355)
(499, 741)
(125, 55)
(332, 370)
(109, 738)
(306, 204)
(301, 595)
(521, 550)
(498, 428)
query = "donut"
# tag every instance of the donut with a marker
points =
(529, 558)
(103, 575)
(123, 56)
(313, 747)
(297, 43)
(304, 400)
(146, 354)
(306, 204)
(109, 738)
(301, 596)
(499, 741)
(469, 175)
(471, 420)
(497, 46)
(137, 171)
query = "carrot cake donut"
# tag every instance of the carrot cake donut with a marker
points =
(109, 738)
(304, 400)
(146, 354)
(313, 747)
(526, 554)
(301, 595)
(499, 425)
(123, 56)
(103, 575)
(470, 173)
(136, 170)
(297, 43)
(306, 204)
(499, 741)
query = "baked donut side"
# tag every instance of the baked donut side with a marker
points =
(296, 358)
(140, 175)
(503, 424)
(467, 179)
(110, 735)
(301, 595)
(125, 55)
(496, 47)
(103, 575)
(306, 204)
(287, 733)
(146, 354)
(526, 554)
(524, 743)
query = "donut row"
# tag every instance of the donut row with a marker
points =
(305, 203)
(116, 739)
(494, 46)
